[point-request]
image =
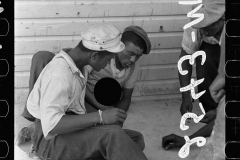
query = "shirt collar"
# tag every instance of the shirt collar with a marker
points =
(70, 62)
(116, 73)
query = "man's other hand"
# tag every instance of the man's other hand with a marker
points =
(172, 141)
(210, 115)
(114, 116)
(217, 88)
(186, 106)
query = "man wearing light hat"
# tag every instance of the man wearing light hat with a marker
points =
(207, 33)
(63, 129)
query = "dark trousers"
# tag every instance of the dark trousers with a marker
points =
(208, 71)
(99, 142)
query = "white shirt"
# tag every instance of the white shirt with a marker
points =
(191, 47)
(59, 88)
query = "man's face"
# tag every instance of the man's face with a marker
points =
(212, 29)
(101, 61)
(129, 55)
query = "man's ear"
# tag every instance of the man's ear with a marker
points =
(94, 55)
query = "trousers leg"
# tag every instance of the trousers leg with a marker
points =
(108, 141)
(136, 136)
(208, 71)
(39, 61)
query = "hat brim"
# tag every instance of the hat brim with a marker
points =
(118, 48)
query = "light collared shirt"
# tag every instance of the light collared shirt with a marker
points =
(191, 47)
(59, 88)
(124, 79)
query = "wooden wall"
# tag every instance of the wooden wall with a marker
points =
(54, 24)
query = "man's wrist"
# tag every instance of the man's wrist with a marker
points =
(101, 118)
(186, 95)
(102, 107)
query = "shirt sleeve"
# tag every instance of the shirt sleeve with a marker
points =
(133, 78)
(187, 43)
(53, 103)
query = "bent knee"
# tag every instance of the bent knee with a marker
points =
(116, 131)
(139, 140)
(141, 143)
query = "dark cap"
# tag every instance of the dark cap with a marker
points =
(213, 10)
(139, 31)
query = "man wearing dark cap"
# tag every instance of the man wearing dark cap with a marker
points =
(122, 68)
(207, 35)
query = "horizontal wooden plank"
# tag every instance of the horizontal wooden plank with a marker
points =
(157, 97)
(92, 8)
(21, 80)
(159, 72)
(161, 56)
(30, 45)
(22, 62)
(20, 96)
(158, 56)
(74, 26)
(148, 73)
(146, 88)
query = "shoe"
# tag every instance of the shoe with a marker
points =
(24, 135)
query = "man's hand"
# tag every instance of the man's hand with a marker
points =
(186, 106)
(210, 115)
(114, 116)
(217, 95)
(217, 88)
(172, 141)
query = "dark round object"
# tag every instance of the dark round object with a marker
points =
(107, 91)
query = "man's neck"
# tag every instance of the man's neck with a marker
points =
(74, 54)
(118, 64)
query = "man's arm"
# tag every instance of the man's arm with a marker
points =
(172, 141)
(184, 81)
(72, 123)
(90, 99)
(204, 131)
(54, 103)
(125, 101)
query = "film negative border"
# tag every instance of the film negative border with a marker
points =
(7, 79)
(232, 77)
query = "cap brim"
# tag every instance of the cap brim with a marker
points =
(118, 48)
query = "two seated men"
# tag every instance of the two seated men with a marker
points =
(68, 121)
